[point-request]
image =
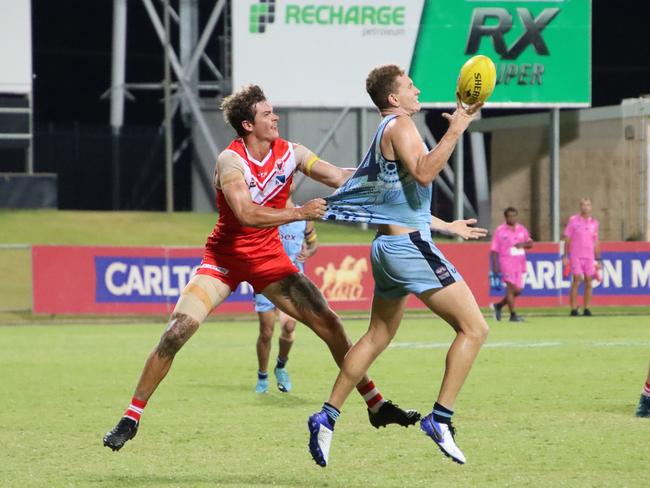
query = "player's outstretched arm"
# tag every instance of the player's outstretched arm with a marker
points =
(235, 190)
(320, 170)
(461, 228)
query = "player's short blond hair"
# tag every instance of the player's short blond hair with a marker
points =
(381, 82)
(240, 106)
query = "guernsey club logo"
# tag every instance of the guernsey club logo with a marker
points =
(261, 15)
(346, 282)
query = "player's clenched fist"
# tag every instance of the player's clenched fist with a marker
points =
(313, 209)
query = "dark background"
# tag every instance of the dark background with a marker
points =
(72, 66)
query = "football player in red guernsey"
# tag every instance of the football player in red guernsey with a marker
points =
(253, 178)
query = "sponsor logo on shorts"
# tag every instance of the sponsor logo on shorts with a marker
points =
(442, 273)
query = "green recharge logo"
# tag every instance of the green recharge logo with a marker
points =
(261, 14)
(363, 15)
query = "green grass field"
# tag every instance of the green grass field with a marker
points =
(549, 403)
(133, 228)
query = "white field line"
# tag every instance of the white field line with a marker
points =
(621, 344)
(523, 344)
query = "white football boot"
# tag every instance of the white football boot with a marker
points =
(320, 437)
(443, 435)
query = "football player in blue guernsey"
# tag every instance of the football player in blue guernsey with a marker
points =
(300, 242)
(392, 188)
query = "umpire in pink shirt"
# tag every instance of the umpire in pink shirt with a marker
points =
(582, 253)
(509, 244)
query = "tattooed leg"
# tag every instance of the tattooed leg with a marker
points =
(298, 297)
(303, 294)
(178, 331)
(198, 298)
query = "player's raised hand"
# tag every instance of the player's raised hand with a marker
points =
(463, 116)
(462, 228)
(471, 110)
(313, 209)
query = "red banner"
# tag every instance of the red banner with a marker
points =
(148, 280)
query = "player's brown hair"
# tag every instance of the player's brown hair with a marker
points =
(240, 106)
(381, 82)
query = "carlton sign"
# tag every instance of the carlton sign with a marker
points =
(148, 280)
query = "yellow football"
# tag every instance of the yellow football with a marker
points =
(476, 80)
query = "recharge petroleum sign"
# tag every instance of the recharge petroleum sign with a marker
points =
(541, 49)
(317, 53)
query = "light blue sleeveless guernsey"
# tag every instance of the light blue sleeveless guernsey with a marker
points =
(292, 235)
(381, 191)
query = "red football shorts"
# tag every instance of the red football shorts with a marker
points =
(260, 273)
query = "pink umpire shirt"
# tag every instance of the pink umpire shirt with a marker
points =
(503, 243)
(583, 234)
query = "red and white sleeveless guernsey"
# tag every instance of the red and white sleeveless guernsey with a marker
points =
(236, 253)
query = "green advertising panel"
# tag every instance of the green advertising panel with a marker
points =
(541, 49)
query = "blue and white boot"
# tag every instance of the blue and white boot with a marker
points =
(284, 382)
(262, 384)
(443, 435)
(320, 437)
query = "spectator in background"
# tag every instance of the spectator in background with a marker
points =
(509, 244)
(582, 254)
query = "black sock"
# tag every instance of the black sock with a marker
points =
(442, 414)
(281, 363)
(262, 376)
(332, 413)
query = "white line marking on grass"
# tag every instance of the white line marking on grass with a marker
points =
(512, 345)
(507, 345)
(522, 345)
(419, 345)
(621, 344)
